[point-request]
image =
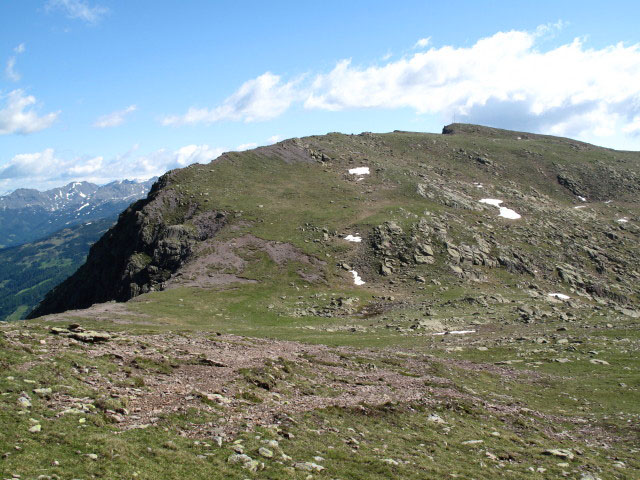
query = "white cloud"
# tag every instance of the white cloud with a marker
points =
(633, 127)
(261, 98)
(79, 9)
(10, 69)
(115, 118)
(509, 79)
(502, 80)
(246, 146)
(47, 169)
(18, 117)
(423, 42)
(273, 139)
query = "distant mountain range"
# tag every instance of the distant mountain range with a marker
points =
(28, 214)
(45, 236)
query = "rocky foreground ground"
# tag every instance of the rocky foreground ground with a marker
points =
(95, 404)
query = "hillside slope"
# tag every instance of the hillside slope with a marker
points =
(29, 271)
(431, 210)
(347, 306)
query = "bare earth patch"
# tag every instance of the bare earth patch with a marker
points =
(219, 262)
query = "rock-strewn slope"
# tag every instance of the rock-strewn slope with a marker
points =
(476, 206)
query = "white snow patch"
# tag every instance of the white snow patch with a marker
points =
(582, 199)
(359, 171)
(504, 211)
(491, 201)
(351, 238)
(508, 213)
(580, 206)
(622, 220)
(357, 279)
(455, 332)
(85, 205)
(560, 296)
(608, 201)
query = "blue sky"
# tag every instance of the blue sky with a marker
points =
(102, 90)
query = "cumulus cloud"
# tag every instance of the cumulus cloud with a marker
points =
(115, 118)
(10, 69)
(509, 79)
(78, 9)
(47, 168)
(502, 80)
(261, 98)
(17, 116)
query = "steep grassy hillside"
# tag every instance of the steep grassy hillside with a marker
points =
(29, 271)
(286, 318)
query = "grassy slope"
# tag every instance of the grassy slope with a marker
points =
(545, 394)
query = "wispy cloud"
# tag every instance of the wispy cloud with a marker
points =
(422, 43)
(46, 169)
(10, 70)
(78, 9)
(246, 146)
(17, 116)
(115, 118)
(508, 79)
(261, 98)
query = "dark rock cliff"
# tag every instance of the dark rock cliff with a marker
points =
(135, 256)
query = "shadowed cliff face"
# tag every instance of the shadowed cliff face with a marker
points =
(136, 256)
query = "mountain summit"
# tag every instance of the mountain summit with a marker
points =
(476, 208)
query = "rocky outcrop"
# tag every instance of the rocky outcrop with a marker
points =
(138, 254)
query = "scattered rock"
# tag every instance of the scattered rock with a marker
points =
(560, 453)
(308, 467)
(265, 452)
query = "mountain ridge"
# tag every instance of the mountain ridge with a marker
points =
(28, 214)
(537, 174)
(340, 305)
